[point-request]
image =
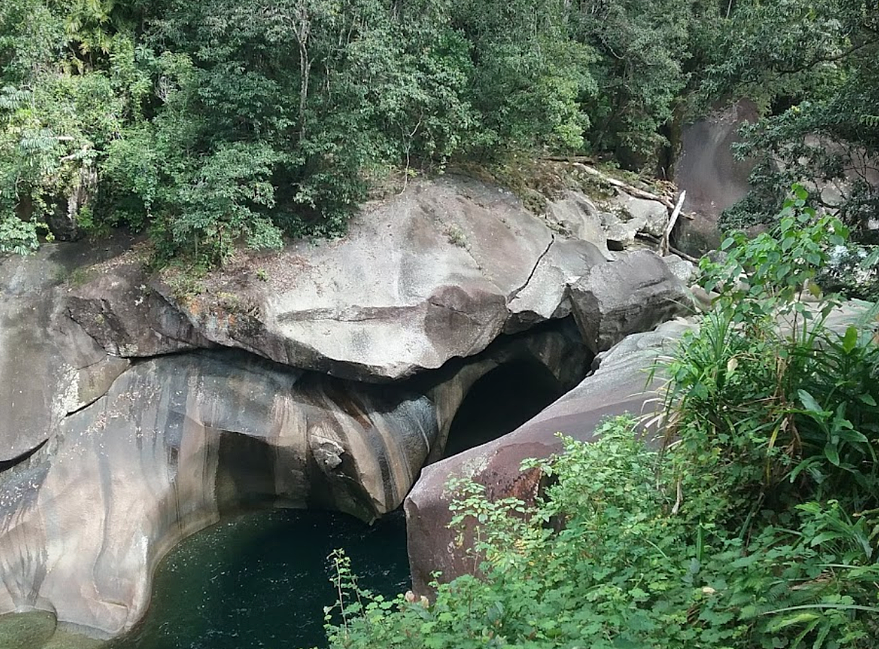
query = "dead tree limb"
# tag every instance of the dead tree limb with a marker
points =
(672, 221)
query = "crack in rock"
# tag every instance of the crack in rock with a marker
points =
(516, 292)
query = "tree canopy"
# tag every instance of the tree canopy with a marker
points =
(217, 122)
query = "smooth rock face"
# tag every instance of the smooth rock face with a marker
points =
(49, 367)
(619, 385)
(180, 440)
(713, 179)
(434, 274)
(177, 442)
(419, 280)
(630, 295)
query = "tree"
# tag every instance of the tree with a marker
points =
(811, 66)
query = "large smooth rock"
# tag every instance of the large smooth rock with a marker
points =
(181, 440)
(619, 385)
(419, 280)
(434, 274)
(49, 367)
(176, 443)
(710, 174)
(630, 295)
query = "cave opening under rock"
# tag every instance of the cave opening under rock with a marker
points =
(500, 402)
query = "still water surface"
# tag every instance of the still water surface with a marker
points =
(261, 580)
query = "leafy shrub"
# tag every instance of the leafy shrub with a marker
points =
(625, 570)
(18, 236)
(800, 397)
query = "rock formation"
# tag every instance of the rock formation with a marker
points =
(49, 367)
(710, 174)
(324, 375)
(179, 441)
(434, 274)
(618, 385)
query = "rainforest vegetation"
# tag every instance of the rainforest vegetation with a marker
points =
(218, 123)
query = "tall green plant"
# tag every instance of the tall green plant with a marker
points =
(768, 379)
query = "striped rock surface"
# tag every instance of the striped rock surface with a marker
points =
(182, 440)
(49, 366)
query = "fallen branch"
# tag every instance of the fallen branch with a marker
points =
(626, 187)
(672, 221)
(656, 241)
(569, 158)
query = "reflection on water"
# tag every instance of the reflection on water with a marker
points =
(261, 580)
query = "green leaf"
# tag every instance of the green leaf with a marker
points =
(810, 404)
(850, 339)
(831, 452)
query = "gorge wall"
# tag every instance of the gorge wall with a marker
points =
(139, 409)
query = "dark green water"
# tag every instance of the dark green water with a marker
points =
(261, 580)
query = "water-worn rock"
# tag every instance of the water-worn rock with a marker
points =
(177, 442)
(619, 385)
(48, 366)
(419, 280)
(436, 273)
(180, 440)
(632, 294)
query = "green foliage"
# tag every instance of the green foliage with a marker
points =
(219, 201)
(801, 396)
(604, 561)
(817, 95)
(853, 271)
(17, 236)
(149, 98)
(754, 526)
(164, 102)
(640, 73)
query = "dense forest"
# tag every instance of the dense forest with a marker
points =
(218, 122)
